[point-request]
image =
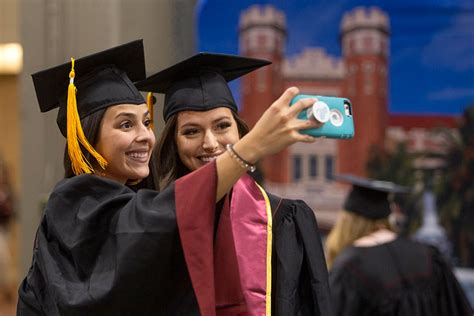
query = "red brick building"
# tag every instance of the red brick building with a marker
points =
(361, 74)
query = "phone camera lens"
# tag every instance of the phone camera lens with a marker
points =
(347, 108)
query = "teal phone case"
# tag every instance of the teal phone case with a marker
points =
(339, 107)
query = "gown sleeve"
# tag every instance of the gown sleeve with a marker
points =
(300, 273)
(103, 249)
(345, 297)
(452, 299)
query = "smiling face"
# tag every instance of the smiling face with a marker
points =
(126, 141)
(201, 136)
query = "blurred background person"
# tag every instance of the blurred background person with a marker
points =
(373, 271)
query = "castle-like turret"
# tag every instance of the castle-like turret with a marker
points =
(262, 35)
(365, 47)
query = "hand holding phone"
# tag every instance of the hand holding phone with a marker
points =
(334, 115)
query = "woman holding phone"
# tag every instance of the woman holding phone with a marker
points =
(266, 253)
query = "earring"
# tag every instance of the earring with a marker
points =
(100, 173)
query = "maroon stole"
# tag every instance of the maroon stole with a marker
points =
(231, 274)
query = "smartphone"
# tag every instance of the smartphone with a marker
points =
(333, 114)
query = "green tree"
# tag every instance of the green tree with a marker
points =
(455, 188)
(398, 166)
(395, 166)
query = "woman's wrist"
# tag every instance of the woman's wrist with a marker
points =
(247, 150)
(240, 160)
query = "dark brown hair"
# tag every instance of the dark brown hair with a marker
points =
(91, 127)
(169, 165)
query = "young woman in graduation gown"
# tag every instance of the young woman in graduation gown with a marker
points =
(103, 248)
(267, 256)
(374, 272)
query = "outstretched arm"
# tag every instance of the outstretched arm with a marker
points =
(275, 130)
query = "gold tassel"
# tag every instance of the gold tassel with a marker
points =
(75, 134)
(149, 103)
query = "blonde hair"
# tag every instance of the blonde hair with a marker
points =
(348, 228)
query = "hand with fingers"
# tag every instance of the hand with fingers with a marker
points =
(277, 128)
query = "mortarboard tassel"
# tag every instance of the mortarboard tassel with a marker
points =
(75, 134)
(149, 103)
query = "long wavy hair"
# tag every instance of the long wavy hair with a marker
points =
(91, 127)
(348, 228)
(169, 166)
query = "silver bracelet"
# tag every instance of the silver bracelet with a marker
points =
(242, 162)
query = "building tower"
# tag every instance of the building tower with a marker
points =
(262, 34)
(365, 49)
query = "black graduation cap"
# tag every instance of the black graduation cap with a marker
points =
(102, 80)
(199, 83)
(368, 197)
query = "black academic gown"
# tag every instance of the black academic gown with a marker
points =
(103, 249)
(401, 277)
(300, 278)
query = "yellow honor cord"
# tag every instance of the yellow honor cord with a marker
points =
(268, 294)
(75, 134)
(149, 103)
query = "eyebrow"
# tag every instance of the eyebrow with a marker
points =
(188, 124)
(130, 115)
(221, 118)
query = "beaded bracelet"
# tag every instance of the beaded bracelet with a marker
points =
(242, 162)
